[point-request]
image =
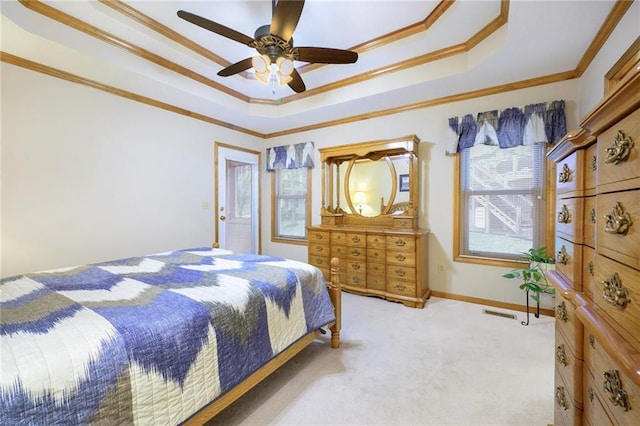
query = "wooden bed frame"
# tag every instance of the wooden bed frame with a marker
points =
(211, 410)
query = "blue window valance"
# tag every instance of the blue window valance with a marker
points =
(294, 156)
(535, 123)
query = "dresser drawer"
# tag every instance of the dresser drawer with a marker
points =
(339, 238)
(569, 325)
(376, 281)
(594, 411)
(401, 258)
(565, 410)
(376, 241)
(589, 221)
(355, 267)
(401, 243)
(322, 262)
(339, 251)
(316, 249)
(569, 175)
(319, 237)
(374, 268)
(588, 271)
(356, 239)
(619, 395)
(569, 366)
(615, 173)
(569, 262)
(404, 222)
(617, 294)
(401, 272)
(356, 253)
(376, 255)
(590, 167)
(400, 287)
(569, 214)
(618, 229)
(356, 279)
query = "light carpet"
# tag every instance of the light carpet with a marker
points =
(446, 364)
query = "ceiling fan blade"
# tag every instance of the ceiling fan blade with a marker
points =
(285, 18)
(215, 27)
(325, 55)
(296, 82)
(243, 65)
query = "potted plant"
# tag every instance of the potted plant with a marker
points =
(533, 276)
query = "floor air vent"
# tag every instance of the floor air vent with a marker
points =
(499, 314)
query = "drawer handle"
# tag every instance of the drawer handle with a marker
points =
(561, 398)
(400, 272)
(594, 163)
(592, 341)
(561, 355)
(400, 242)
(562, 256)
(355, 279)
(590, 395)
(402, 223)
(618, 221)
(590, 267)
(563, 215)
(565, 175)
(614, 292)
(620, 149)
(355, 266)
(355, 252)
(319, 261)
(561, 312)
(319, 249)
(400, 287)
(612, 387)
(355, 239)
(319, 236)
(592, 216)
(400, 257)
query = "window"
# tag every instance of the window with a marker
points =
(501, 207)
(290, 204)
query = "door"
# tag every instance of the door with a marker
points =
(237, 199)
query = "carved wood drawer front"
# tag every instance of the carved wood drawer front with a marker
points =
(569, 174)
(618, 228)
(589, 221)
(589, 272)
(617, 293)
(569, 366)
(320, 261)
(356, 239)
(565, 406)
(339, 238)
(401, 243)
(403, 258)
(376, 282)
(569, 325)
(569, 216)
(339, 251)
(569, 261)
(359, 253)
(401, 287)
(619, 155)
(376, 269)
(376, 255)
(376, 241)
(590, 167)
(357, 279)
(321, 237)
(594, 411)
(355, 267)
(617, 392)
(319, 249)
(401, 272)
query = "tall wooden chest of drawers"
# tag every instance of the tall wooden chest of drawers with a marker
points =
(597, 272)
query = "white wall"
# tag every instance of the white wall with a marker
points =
(88, 176)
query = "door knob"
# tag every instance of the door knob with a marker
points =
(222, 218)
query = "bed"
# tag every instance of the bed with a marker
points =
(169, 338)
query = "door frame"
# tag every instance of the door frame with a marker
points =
(216, 212)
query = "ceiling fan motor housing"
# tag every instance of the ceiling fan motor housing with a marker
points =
(272, 46)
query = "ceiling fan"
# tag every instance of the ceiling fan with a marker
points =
(274, 44)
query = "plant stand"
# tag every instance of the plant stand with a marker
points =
(537, 314)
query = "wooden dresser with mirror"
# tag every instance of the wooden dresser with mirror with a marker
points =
(597, 274)
(369, 220)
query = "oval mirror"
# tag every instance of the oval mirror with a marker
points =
(370, 186)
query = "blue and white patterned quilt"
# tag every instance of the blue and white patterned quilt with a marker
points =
(148, 340)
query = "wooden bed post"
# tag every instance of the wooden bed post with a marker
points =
(335, 292)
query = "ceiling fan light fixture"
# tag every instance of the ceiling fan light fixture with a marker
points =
(283, 79)
(260, 65)
(285, 66)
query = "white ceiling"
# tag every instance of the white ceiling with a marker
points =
(540, 38)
